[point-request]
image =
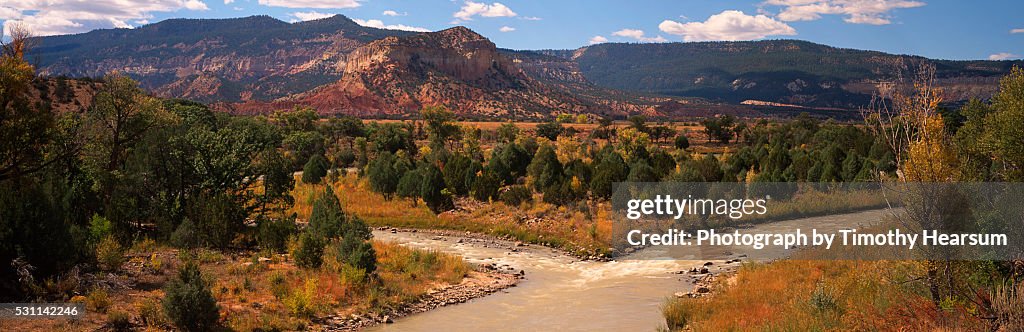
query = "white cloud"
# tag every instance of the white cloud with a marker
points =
(597, 40)
(1017, 30)
(54, 17)
(638, 35)
(531, 18)
(380, 25)
(470, 9)
(1003, 56)
(728, 25)
(7, 13)
(228, 2)
(323, 4)
(196, 5)
(310, 15)
(507, 29)
(393, 13)
(875, 12)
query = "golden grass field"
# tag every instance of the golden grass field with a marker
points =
(560, 227)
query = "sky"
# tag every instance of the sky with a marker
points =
(946, 29)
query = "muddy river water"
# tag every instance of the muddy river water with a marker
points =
(562, 293)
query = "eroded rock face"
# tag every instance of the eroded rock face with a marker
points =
(458, 68)
(252, 58)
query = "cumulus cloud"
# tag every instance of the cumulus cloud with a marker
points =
(393, 13)
(380, 25)
(531, 18)
(228, 2)
(507, 29)
(311, 3)
(1017, 30)
(196, 5)
(55, 17)
(597, 40)
(1003, 56)
(638, 35)
(875, 12)
(310, 15)
(728, 25)
(470, 9)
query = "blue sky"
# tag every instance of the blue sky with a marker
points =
(948, 29)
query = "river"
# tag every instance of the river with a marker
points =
(562, 293)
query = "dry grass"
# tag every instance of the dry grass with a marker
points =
(581, 230)
(809, 295)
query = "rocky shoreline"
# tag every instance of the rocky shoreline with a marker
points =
(484, 281)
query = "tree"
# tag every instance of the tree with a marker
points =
(355, 248)
(545, 169)
(682, 142)
(188, 301)
(409, 185)
(640, 171)
(638, 122)
(120, 117)
(459, 173)
(25, 132)
(612, 168)
(433, 190)
(709, 168)
(383, 175)
(720, 128)
(278, 181)
(550, 130)
(315, 169)
(507, 133)
(633, 144)
(327, 216)
(1003, 136)
(302, 145)
(486, 186)
(391, 138)
(441, 128)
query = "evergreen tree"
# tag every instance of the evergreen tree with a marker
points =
(383, 174)
(433, 190)
(545, 169)
(327, 217)
(315, 169)
(612, 168)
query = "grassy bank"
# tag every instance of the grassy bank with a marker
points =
(813, 295)
(582, 229)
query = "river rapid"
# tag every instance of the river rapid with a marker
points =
(562, 293)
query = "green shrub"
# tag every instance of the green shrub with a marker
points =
(309, 252)
(119, 321)
(185, 236)
(97, 300)
(486, 186)
(345, 158)
(99, 229)
(516, 195)
(188, 302)
(302, 302)
(151, 314)
(682, 142)
(274, 233)
(110, 254)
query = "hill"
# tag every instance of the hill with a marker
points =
(779, 71)
(251, 58)
(397, 76)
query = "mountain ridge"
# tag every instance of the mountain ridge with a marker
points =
(239, 63)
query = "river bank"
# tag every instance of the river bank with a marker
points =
(476, 284)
